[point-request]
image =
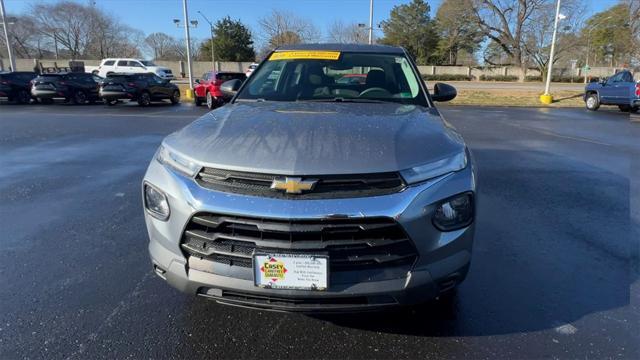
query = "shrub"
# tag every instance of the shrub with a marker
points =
(447, 77)
(498, 78)
(555, 78)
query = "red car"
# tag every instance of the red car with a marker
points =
(207, 89)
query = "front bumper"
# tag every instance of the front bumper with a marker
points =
(117, 95)
(443, 257)
(48, 94)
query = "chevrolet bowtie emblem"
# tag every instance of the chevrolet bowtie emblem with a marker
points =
(293, 185)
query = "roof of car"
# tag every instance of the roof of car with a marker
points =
(386, 49)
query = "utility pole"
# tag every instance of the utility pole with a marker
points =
(188, 36)
(370, 22)
(12, 61)
(213, 56)
(547, 98)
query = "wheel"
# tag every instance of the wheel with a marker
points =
(46, 101)
(144, 99)
(592, 102)
(175, 97)
(624, 108)
(79, 97)
(198, 101)
(23, 97)
(109, 102)
(212, 102)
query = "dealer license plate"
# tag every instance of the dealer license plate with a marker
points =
(291, 271)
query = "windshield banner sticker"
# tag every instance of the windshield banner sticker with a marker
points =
(316, 55)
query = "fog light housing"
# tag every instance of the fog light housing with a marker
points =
(454, 213)
(156, 203)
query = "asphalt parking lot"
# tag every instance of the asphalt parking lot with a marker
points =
(554, 273)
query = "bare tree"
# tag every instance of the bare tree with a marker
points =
(634, 22)
(281, 28)
(351, 33)
(162, 46)
(504, 22)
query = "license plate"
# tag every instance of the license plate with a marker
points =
(291, 271)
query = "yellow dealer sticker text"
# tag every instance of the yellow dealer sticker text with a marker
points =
(316, 55)
(273, 269)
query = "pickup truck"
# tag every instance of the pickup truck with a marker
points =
(620, 89)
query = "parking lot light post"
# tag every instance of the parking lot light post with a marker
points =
(213, 56)
(370, 22)
(12, 61)
(546, 98)
(188, 39)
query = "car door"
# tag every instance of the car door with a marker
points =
(613, 90)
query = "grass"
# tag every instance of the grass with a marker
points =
(496, 97)
(512, 97)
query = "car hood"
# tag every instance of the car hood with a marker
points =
(306, 138)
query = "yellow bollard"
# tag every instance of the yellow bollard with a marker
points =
(546, 99)
(188, 94)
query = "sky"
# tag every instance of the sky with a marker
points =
(157, 15)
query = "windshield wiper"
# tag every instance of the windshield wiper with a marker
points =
(341, 99)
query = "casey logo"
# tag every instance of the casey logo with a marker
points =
(273, 269)
(293, 185)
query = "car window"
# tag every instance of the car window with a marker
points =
(122, 63)
(616, 78)
(387, 77)
(148, 63)
(626, 77)
(109, 62)
(134, 64)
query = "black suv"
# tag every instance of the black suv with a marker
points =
(15, 86)
(79, 88)
(143, 88)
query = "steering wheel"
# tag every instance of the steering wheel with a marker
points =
(377, 91)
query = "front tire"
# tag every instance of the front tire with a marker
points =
(592, 102)
(79, 97)
(144, 99)
(624, 108)
(212, 103)
(175, 97)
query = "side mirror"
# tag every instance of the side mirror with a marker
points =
(443, 92)
(603, 81)
(197, 81)
(230, 88)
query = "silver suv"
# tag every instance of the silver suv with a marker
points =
(307, 193)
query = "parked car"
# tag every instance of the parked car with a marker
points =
(79, 88)
(620, 89)
(250, 69)
(143, 88)
(16, 86)
(207, 89)
(132, 66)
(307, 195)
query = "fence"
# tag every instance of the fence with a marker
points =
(475, 73)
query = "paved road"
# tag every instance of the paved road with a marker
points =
(554, 274)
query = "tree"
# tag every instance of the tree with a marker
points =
(283, 28)
(609, 36)
(232, 42)
(411, 26)
(458, 31)
(504, 22)
(342, 33)
(634, 22)
(162, 46)
(539, 33)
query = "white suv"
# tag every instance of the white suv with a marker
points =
(109, 66)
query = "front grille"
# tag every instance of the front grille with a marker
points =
(327, 186)
(351, 244)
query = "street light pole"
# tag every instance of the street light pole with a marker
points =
(12, 61)
(553, 48)
(188, 36)
(213, 57)
(370, 22)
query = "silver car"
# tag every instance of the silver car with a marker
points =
(310, 194)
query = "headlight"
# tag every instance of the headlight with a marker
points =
(437, 168)
(155, 201)
(177, 162)
(454, 213)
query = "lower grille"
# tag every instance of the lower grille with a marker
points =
(326, 186)
(351, 244)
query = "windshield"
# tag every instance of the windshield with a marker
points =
(147, 63)
(335, 76)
